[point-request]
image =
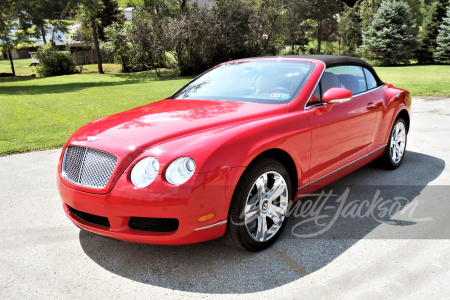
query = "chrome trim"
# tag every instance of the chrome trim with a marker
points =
(340, 100)
(213, 225)
(63, 171)
(81, 165)
(317, 83)
(368, 91)
(350, 163)
(354, 96)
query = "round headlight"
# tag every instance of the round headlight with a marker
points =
(145, 171)
(180, 170)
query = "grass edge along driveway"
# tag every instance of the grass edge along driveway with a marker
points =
(41, 113)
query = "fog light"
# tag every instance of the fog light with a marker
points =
(206, 218)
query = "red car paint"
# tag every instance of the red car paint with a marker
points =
(224, 137)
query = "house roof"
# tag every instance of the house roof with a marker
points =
(126, 8)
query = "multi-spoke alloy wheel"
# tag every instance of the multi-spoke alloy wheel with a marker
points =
(398, 142)
(266, 206)
(258, 210)
(395, 150)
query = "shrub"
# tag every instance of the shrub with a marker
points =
(147, 35)
(117, 45)
(202, 37)
(54, 63)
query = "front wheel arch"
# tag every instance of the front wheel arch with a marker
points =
(286, 160)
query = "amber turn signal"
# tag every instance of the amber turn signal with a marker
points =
(206, 218)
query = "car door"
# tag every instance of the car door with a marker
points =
(341, 132)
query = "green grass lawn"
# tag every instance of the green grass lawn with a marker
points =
(22, 66)
(418, 80)
(41, 113)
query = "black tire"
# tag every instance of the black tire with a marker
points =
(236, 234)
(386, 161)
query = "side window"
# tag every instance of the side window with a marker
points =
(348, 77)
(371, 82)
(315, 97)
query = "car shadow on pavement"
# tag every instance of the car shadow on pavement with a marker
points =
(214, 267)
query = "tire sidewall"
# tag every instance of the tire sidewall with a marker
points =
(388, 150)
(241, 197)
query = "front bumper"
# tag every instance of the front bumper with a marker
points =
(208, 193)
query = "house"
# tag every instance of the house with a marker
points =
(128, 12)
(22, 53)
(203, 2)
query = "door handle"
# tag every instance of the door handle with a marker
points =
(371, 105)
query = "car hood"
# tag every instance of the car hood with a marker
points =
(148, 125)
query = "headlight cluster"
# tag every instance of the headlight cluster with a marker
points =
(178, 172)
(145, 171)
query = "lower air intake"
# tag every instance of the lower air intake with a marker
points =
(89, 218)
(153, 224)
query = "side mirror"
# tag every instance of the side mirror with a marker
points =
(337, 95)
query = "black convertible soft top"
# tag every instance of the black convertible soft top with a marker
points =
(337, 60)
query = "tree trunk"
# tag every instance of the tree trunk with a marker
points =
(12, 64)
(319, 35)
(43, 33)
(97, 47)
(319, 27)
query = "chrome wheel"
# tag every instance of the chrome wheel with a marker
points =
(398, 142)
(266, 206)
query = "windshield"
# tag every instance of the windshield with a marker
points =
(252, 81)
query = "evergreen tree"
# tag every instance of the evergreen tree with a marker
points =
(350, 30)
(367, 10)
(430, 30)
(442, 54)
(388, 39)
(109, 15)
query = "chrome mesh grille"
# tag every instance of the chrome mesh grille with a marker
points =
(88, 167)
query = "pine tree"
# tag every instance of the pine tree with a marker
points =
(430, 30)
(350, 30)
(442, 54)
(388, 39)
(108, 15)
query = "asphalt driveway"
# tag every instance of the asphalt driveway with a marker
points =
(43, 255)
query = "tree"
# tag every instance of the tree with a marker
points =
(350, 30)
(38, 12)
(430, 30)
(296, 26)
(324, 13)
(148, 37)
(367, 11)
(88, 10)
(108, 15)
(15, 33)
(442, 54)
(388, 39)
(117, 43)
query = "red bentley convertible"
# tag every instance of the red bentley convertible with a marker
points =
(227, 153)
